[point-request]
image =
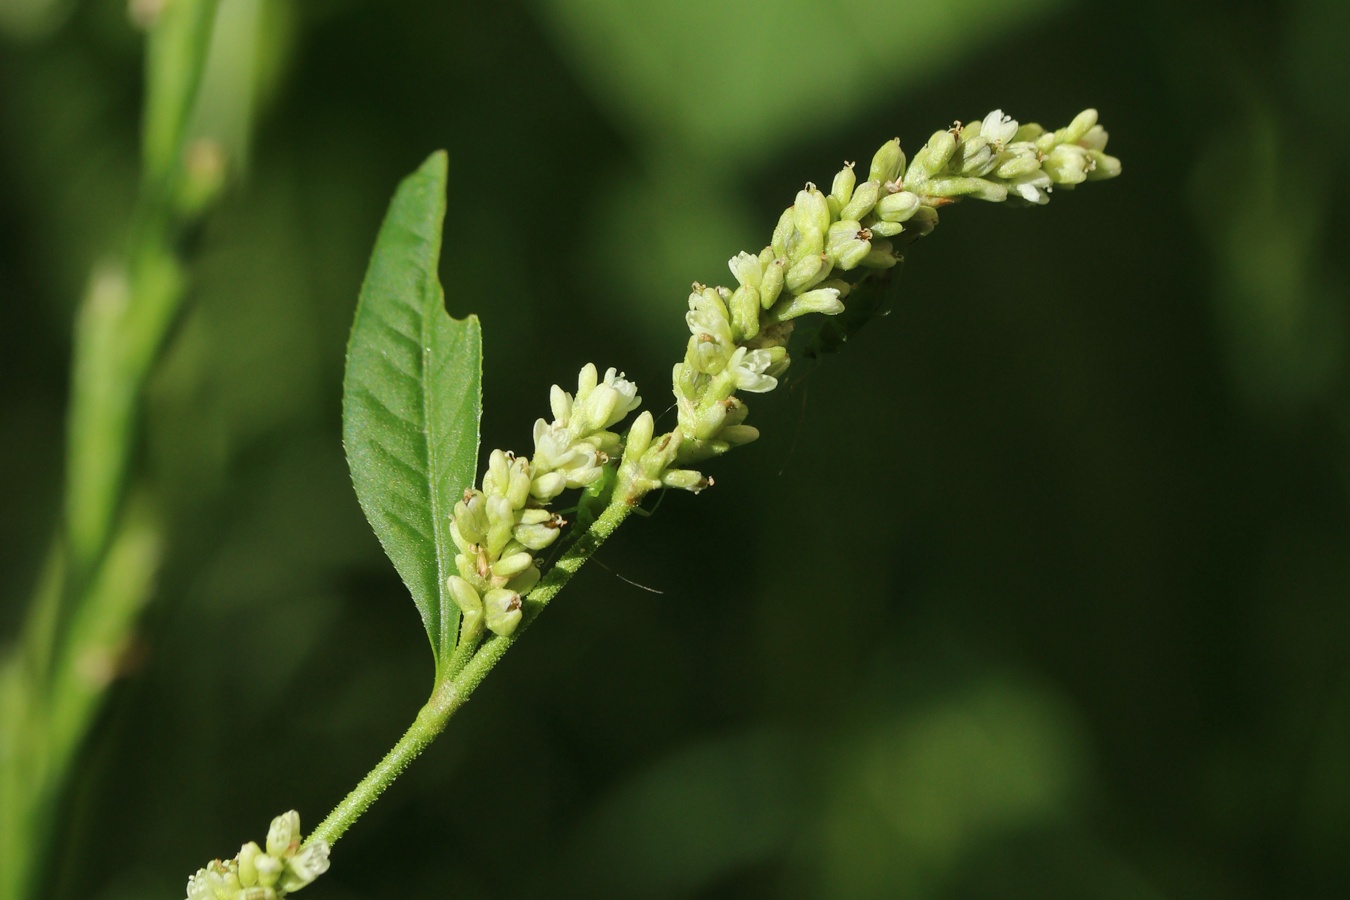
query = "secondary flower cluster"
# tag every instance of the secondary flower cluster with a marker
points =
(499, 528)
(257, 874)
(825, 245)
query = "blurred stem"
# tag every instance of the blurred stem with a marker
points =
(99, 571)
(452, 692)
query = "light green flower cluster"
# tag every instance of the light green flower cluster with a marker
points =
(824, 246)
(257, 874)
(500, 528)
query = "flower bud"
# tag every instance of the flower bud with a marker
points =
(775, 274)
(782, 232)
(887, 164)
(922, 223)
(973, 156)
(509, 567)
(247, 857)
(744, 307)
(309, 862)
(284, 834)
(1018, 159)
(842, 188)
(538, 529)
(808, 271)
(685, 480)
(547, 486)
(503, 611)
(1067, 164)
(640, 433)
(864, 198)
(883, 256)
(934, 156)
(847, 244)
(1079, 127)
(464, 595)
(823, 300)
(518, 484)
(498, 473)
(897, 207)
(269, 869)
(560, 402)
(810, 211)
(738, 435)
(885, 229)
(523, 583)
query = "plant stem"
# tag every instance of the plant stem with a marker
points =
(451, 693)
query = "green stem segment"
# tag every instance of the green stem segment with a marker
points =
(451, 693)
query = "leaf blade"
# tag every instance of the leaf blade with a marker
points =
(412, 400)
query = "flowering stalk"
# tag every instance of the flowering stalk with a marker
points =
(825, 247)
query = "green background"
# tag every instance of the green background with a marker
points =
(1038, 589)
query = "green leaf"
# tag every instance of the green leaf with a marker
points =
(411, 400)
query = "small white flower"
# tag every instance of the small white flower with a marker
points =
(748, 368)
(628, 399)
(998, 129)
(1033, 187)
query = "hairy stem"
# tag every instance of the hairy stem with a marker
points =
(452, 692)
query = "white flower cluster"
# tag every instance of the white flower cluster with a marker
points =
(824, 246)
(257, 874)
(996, 159)
(499, 528)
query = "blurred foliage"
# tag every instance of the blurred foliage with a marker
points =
(1037, 590)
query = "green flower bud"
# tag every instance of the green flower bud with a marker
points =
(1079, 127)
(640, 432)
(934, 156)
(864, 198)
(922, 223)
(842, 188)
(1067, 164)
(887, 164)
(518, 484)
(810, 211)
(782, 232)
(538, 529)
(464, 595)
(744, 307)
(808, 271)
(498, 474)
(883, 256)
(1030, 132)
(738, 435)
(775, 274)
(686, 480)
(471, 517)
(269, 869)
(503, 611)
(523, 583)
(284, 834)
(560, 403)
(247, 857)
(307, 864)
(897, 207)
(885, 229)
(547, 486)
(509, 567)
(824, 300)
(1017, 160)
(847, 243)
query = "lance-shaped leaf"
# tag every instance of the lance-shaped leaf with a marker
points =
(411, 400)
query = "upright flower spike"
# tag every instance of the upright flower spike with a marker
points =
(283, 868)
